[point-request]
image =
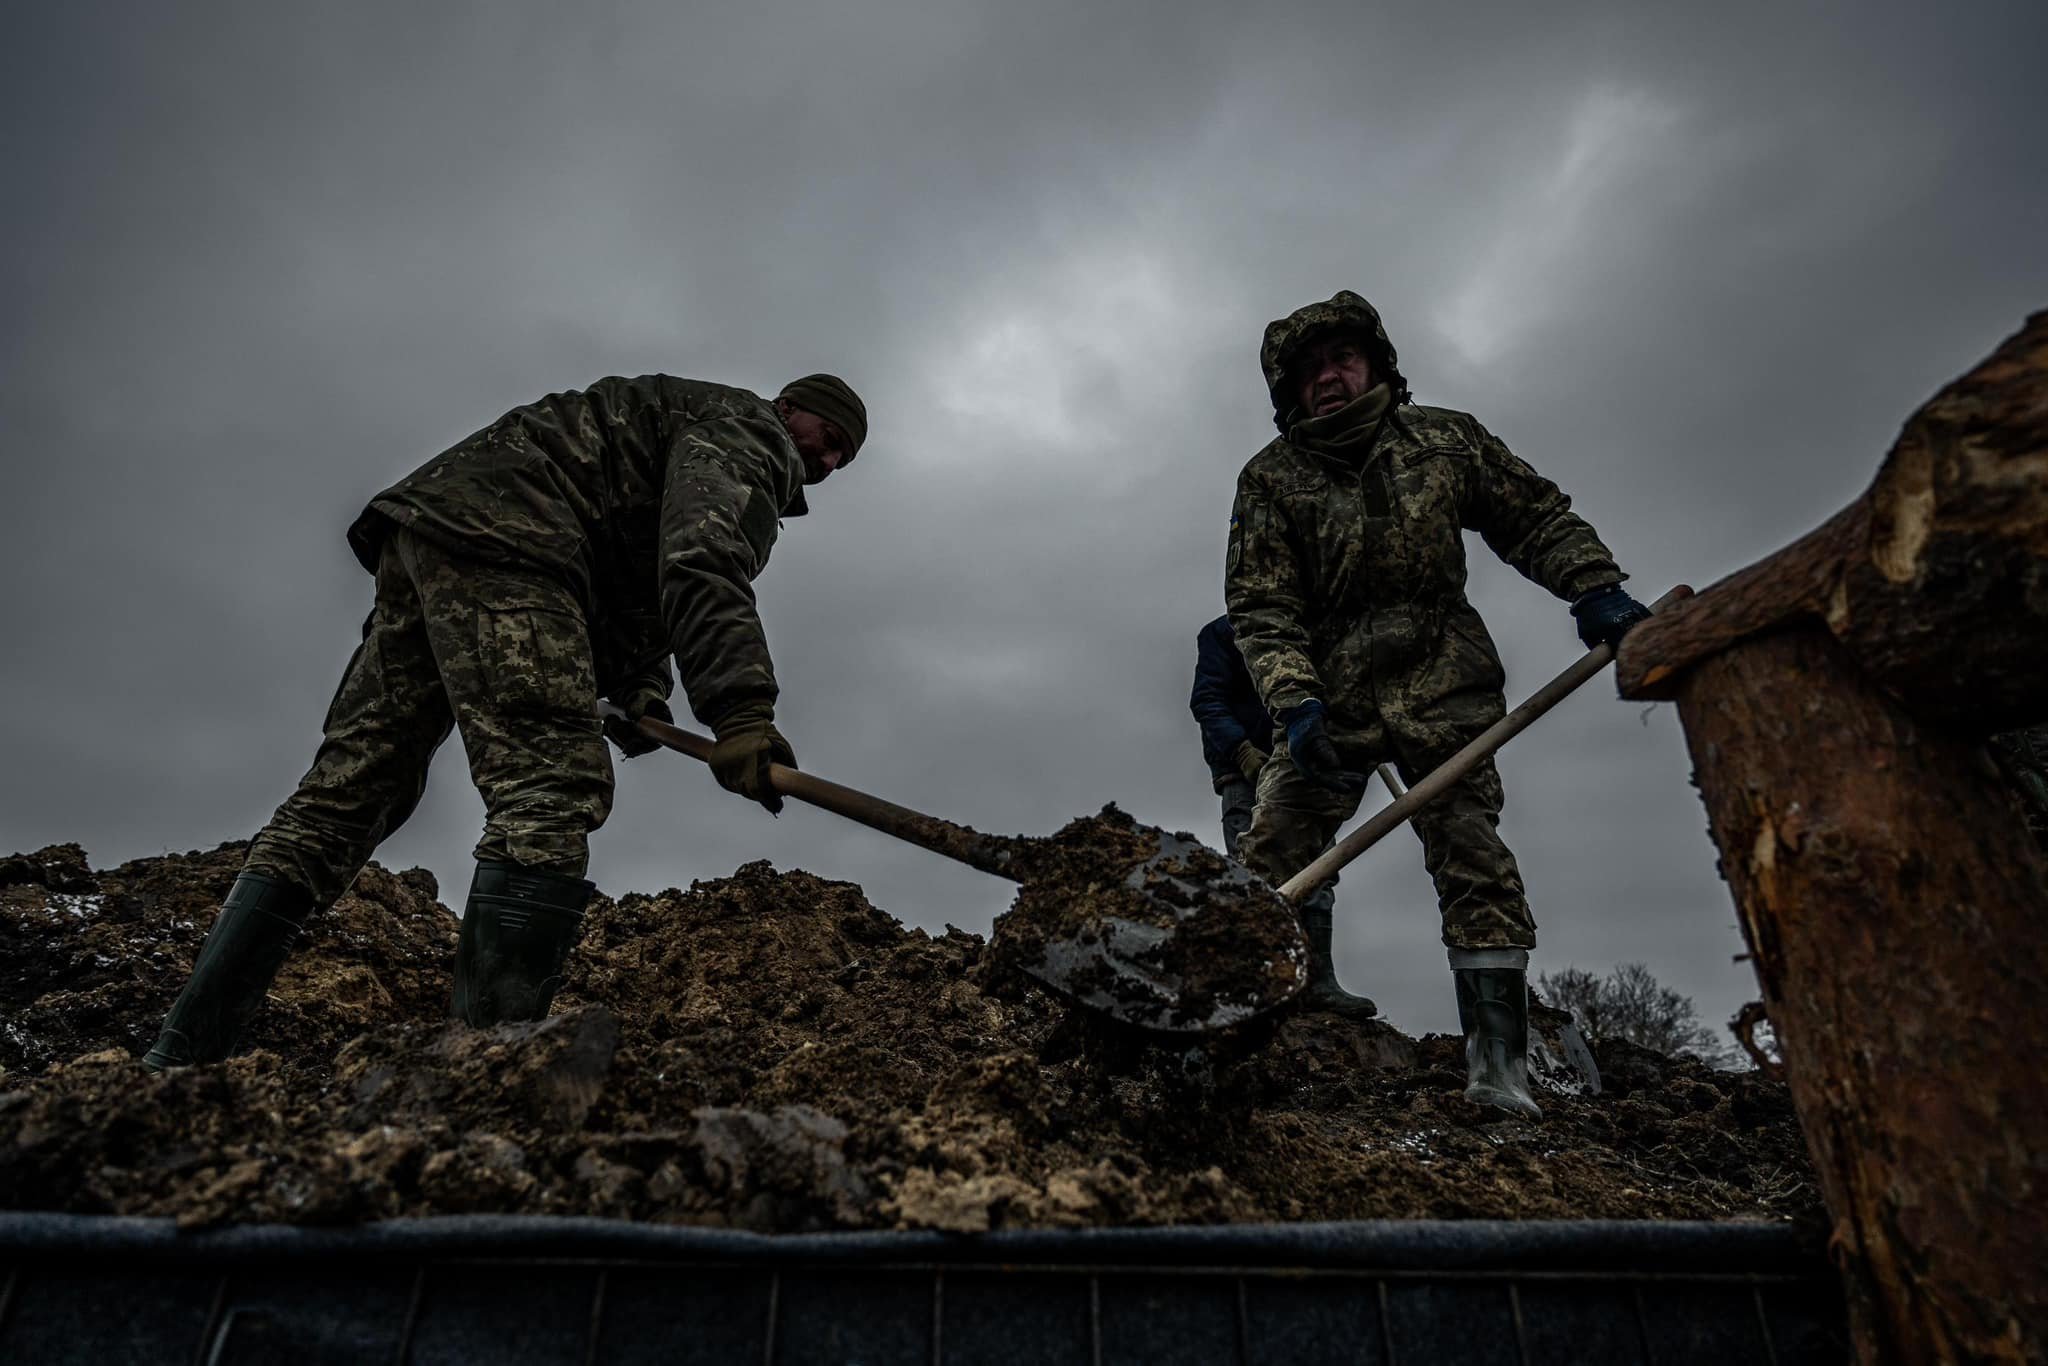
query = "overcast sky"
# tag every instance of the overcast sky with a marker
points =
(262, 259)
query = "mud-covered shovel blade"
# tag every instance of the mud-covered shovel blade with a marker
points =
(1153, 930)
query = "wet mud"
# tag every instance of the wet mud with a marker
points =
(769, 1051)
(1152, 929)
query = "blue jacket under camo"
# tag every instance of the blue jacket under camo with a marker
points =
(1225, 701)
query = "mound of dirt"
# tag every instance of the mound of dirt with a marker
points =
(769, 1051)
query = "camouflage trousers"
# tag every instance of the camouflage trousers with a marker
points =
(1478, 886)
(1239, 802)
(500, 653)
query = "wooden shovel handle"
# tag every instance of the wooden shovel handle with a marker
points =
(989, 853)
(1458, 765)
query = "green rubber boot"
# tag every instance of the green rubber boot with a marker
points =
(1493, 1010)
(248, 943)
(1323, 993)
(517, 931)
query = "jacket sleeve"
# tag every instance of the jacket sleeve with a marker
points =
(1210, 699)
(1529, 523)
(728, 480)
(1265, 588)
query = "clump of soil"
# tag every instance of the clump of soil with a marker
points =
(1156, 929)
(769, 1051)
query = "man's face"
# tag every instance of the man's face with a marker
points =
(1330, 373)
(822, 445)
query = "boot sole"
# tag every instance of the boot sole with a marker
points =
(1503, 1100)
(1345, 1004)
(1343, 1012)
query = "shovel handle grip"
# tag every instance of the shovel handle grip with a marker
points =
(989, 853)
(1458, 765)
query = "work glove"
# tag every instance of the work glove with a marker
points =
(1605, 614)
(1250, 759)
(621, 731)
(747, 743)
(1313, 752)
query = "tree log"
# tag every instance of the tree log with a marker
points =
(1836, 697)
(1935, 580)
(1893, 903)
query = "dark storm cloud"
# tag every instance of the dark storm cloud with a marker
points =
(258, 263)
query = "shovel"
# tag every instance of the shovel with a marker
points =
(1481, 748)
(1076, 962)
(1131, 922)
(1152, 930)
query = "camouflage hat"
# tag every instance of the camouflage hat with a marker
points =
(833, 399)
(1341, 312)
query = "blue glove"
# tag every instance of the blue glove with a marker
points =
(1309, 745)
(1605, 614)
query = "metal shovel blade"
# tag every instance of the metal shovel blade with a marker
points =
(1154, 930)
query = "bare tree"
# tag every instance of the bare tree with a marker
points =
(1630, 1003)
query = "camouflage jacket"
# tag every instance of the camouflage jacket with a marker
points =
(1346, 581)
(657, 498)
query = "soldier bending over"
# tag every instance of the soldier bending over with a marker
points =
(564, 553)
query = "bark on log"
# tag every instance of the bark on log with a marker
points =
(1892, 902)
(1935, 580)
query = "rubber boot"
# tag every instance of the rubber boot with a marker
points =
(1493, 1010)
(517, 931)
(1323, 993)
(248, 943)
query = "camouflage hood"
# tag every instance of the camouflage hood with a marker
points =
(1341, 312)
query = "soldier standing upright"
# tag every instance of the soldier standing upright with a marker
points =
(1237, 740)
(1345, 581)
(564, 553)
